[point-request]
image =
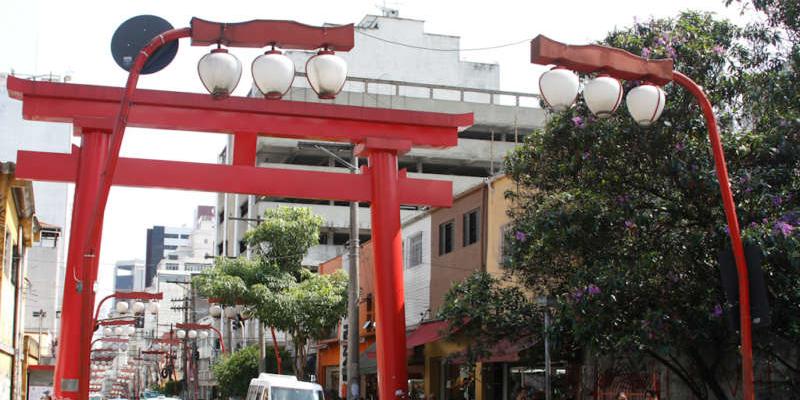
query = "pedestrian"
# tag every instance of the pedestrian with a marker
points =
(650, 395)
(621, 396)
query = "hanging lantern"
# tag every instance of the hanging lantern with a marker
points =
(215, 311)
(559, 88)
(326, 73)
(138, 307)
(192, 334)
(152, 307)
(122, 307)
(220, 72)
(603, 95)
(180, 333)
(273, 74)
(645, 103)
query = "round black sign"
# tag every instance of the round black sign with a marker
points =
(134, 34)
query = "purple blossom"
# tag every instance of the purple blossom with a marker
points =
(622, 199)
(792, 218)
(784, 228)
(754, 224)
(672, 53)
(578, 121)
(521, 236)
(718, 50)
(727, 230)
(585, 155)
(629, 224)
(777, 200)
(577, 295)
(593, 289)
(646, 52)
(680, 146)
(717, 311)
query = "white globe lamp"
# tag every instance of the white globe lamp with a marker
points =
(203, 334)
(138, 307)
(152, 307)
(220, 72)
(180, 333)
(326, 73)
(559, 88)
(603, 95)
(215, 311)
(122, 307)
(645, 103)
(273, 74)
(192, 334)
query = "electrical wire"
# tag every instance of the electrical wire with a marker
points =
(443, 50)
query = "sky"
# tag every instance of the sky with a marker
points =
(73, 38)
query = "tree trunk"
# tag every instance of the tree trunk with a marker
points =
(683, 377)
(708, 376)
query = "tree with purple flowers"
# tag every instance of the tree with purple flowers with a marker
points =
(623, 224)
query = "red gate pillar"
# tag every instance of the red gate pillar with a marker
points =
(71, 376)
(387, 240)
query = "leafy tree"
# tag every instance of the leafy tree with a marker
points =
(234, 371)
(274, 285)
(623, 224)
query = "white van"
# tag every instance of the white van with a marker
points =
(282, 387)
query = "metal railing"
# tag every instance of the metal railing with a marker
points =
(389, 87)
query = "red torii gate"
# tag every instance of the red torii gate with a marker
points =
(378, 134)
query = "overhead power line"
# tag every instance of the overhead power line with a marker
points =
(445, 50)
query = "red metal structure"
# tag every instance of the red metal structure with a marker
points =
(101, 114)
(200, 327)
(621, 64)
(127, 296)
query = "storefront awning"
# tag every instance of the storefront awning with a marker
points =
(426, 333)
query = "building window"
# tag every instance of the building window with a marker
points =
(244, 209)
(242, 247)
(415, 250)
(170, 235)
(172, 257)
(171, 266)
(471, 227)
(184, 236)
(446, 237)
(170, 247)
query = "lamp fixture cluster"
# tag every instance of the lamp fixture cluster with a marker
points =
(559, 88)
(273, 73)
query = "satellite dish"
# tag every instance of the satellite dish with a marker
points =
(136, 33)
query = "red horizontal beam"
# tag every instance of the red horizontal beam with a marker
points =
(262, 33)
(192, 326)
(138, 296)
(596, 58)
(273, 182)
(64, 102)
(113, 322)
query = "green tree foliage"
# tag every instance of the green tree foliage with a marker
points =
(623, 224)
(482, 309)
(275, 287)
(234, 371)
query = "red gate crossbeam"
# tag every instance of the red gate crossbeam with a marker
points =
(64, 102)
(278, 182)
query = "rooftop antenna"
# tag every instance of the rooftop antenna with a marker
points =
(390, 9)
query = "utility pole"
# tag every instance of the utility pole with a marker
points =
(185, 359)
(353, 377)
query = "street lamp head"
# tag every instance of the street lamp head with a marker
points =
(122, 307)
(138, 307)
(118, 331)
(203, 334)
(230, 312)
(181, 333)
(220, 72)
(152, 307)
(645, 103)
(215, 311)
(130, 330)
(559, 88)
(273, 74)
(108, 331)
(192, 334)
(603, 95)
(326, 73)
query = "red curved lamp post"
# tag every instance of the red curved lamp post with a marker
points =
(621, 64)
(101, 114)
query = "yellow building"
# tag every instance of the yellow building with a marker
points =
(19, 231)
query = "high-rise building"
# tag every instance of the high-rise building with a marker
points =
(163, 242)
(129, 275)
(409, 77)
